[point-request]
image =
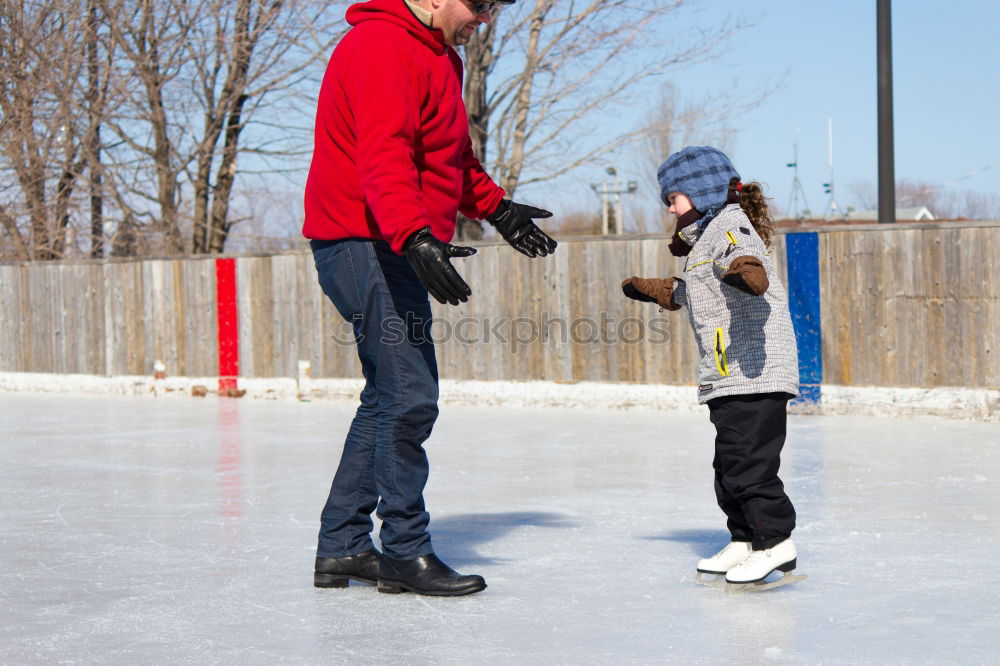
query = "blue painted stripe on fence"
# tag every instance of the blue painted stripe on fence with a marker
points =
(802, 251)
(808, 393)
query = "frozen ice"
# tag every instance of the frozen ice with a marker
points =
(183, 531)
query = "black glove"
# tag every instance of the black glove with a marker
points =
(513, 221)
(431, 261)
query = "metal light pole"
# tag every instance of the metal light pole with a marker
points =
(618, 200)
(603, 190)
(886, 150)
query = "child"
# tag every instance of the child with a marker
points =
(749, 366)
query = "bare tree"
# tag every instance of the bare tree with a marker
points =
(946, 203)
(149, 41)
(139, 116)
(941, 200)
(673, 123)
(39, 132)
(915, 193)
(865, 194)
(96, 108)
(268, 48)
(576, 223)
(195, 76)
(479, 60)
(550, 71)
(670, 125)
(980, 205)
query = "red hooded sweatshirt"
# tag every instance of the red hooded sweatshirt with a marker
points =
(392, 150)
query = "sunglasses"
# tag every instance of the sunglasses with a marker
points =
(482, 7)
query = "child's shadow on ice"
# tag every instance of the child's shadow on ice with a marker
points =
(704, 543)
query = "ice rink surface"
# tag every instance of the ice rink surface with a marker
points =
(182, 531)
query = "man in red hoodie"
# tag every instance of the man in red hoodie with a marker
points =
(392, 166)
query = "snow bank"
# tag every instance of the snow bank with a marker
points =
(947, 402)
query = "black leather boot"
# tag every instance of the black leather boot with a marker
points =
(335, 571)
(425, 575)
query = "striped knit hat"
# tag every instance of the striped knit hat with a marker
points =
(703, 174)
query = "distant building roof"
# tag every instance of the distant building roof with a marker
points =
(915, 214)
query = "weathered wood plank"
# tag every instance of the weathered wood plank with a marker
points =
(138, 355)
(828, 310)
(92, 324)
(989, 330)
(555, 327)
(42, 329)
(892, 297)
(836, 322)
(14, 310)
(933, 291)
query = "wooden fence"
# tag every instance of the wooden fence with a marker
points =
(903, 305)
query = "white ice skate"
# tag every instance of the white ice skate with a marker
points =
(750, 574)
(712, 570)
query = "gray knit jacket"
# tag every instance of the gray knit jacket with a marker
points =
(746, 342)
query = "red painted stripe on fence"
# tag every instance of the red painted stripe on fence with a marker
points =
(229, 339)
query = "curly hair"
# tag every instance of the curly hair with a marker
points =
(751, 199)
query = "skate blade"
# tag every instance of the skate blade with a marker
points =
(710, 579)
(743, 588)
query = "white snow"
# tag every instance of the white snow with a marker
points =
(947, 402)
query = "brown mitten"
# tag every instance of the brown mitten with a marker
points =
(651, 290)
(747, 274)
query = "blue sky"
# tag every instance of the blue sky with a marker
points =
(946, 59)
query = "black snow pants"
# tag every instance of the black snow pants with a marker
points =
(750, 433)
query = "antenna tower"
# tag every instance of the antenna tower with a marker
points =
(832, 208)
(797, 191)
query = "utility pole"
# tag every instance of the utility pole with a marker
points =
(609, 214)
(886, 150)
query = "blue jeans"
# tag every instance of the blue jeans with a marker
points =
(383, 467)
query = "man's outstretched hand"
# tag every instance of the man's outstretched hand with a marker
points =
(514, 223)
(431, 261)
